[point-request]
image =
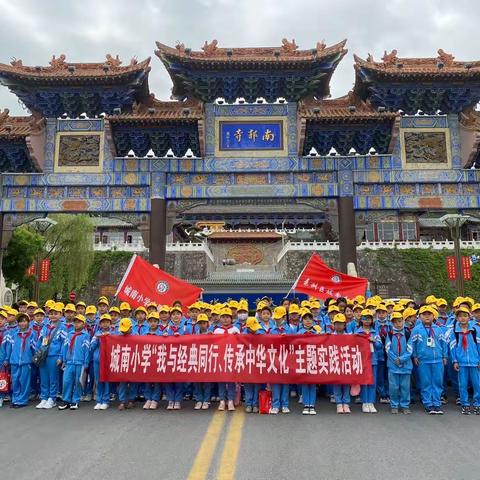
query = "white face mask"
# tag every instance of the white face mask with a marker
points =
(242, 316)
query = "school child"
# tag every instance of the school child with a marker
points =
(465, 352)
(74, 358)
(475, 320)
(90, 327)
(18, 355)
(164, 318)
(368, 392)
(429, 353)
(309, 391)
(341, 393)
(294, 317)
(409, 321)
(114, 313)
(69, 313)
(355, 322)
(178, 326)
(152, 307)
(399, 364)
(81, 308)
(193, 312)
(280, 391)
(31, 307)
(3, 323)
(252, 327)
(315, 309)
(444, 317)
(140, 325)
(382, 327)
(125, 395)
(37, 318)
(226, 389)
(327, 325)
(202, 390)
(125, 310)
(233, 305)
(22, 306)
(389, 305)
(242, 314)
(265, 318)
(102, 307)
(91, 317)
(152, 391)
(102, 389)
(52, 337)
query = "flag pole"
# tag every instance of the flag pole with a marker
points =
(295, 283)
(127, 271)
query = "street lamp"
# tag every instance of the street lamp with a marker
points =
(40, 226)
(455, 221)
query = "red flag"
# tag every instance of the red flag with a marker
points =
(143, 283)
(321, 281)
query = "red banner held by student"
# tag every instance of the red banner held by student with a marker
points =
(143, 283)
(337, 359)
(321, 281)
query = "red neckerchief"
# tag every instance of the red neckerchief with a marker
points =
(465, 340)
(281, 329)
(162, 327)
(72, 340)
(36, 327)
(383, 330)
(399, 338)
(24, 336)
(174, 329)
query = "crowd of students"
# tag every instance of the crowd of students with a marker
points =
(53, 353)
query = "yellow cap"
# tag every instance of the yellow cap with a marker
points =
(164, 309)
(441, 302)
(39, 310)
(431, 299)
(469, 300)
(381, 306)
(81, 304)
(305, 304)
(141, 309)
(260, 305)
(389, 303)
(279, 312)
(293, 308)
(152, 304)
(314, 304)
(409, 312)
(125, 325)
(333, 308)
(242, 305)
(358, 305)
(458, 301)
(304, 312)
(176, 309)
(233, 304)
(202, 317)
(125, 306)
(23, 302)
(398, 308)
(103, 300)
(359, 299)
(430, 309)
(114, 309)
(253, 324)
(339, 317)
(91, 310)
(396, 315)
(69, 307)
(32, 305)
(226, 311)
(367, 313)
(80, 317)
(153, 315)
(194, 306)
(12, 311)
(462, 309)
(106, 316)
(58, 307)
(49, 303)
(371, 302)
(3, 313)
(475, 306)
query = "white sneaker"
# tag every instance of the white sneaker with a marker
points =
(293, 394)
(83, 398)
(177, 406)
(153, 405)
(365, 407)
(285, 410)
(97, 406)
(300, 399)
(147, 404)
(372, 408)
(104, 406)
(332, 399)
(221, 405)
(306, 411)
(198, 406)
(340, 408)
(88, 398)
(205, 405)
(50, 403)
(41, 404)
(170, 406)
(274, 411)
(346, 408)
(312, 411)
(1, 402)
(231, 406)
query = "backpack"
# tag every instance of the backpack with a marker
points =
(473, 332)
(407, 335)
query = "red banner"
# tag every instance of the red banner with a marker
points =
(321, 281)
(451, 268)
(143, 283)
(44, 270)
(327, 358)
(466, 268)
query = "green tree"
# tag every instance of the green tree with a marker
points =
(21, 252)
(68, 244)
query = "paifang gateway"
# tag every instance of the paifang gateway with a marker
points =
(250, 137)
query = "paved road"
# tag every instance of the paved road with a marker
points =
(214, 445)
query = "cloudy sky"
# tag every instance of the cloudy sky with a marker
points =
(88, 29)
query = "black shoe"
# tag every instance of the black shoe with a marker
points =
(476, 410)
(13, 405)
(430, 410)
(443, 399)
(74, 406)
(457, 401)
(439, 411)
(466, 411)
(63, 406)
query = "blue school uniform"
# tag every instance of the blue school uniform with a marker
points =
(54, 336)
(341, 392)
(19, 354)
(431, 349)
(309, 391)
(368, 392)
(382, 329)
(175, 389)
(465, 350)
(126, 391)
(153, 391)
(252, 389)
(75, 357)
(202, 390)
(102, 388)
(281, 391)
(35, 377)
(399, 349)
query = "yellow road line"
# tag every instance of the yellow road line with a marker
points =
(228, 461)
(205, 453)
